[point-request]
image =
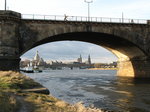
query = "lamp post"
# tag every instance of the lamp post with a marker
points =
(88, 2)
(122, 17)
(5, 4)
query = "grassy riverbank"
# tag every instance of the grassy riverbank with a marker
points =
(19, 93)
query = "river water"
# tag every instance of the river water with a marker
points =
(101, 88)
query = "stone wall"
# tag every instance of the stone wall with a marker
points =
(9, 40)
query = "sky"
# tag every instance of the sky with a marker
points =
(67, 51)
(133, 9)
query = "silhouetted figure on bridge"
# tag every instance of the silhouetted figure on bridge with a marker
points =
(65, 17)
(132, 21)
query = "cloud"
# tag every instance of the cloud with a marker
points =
(138, 9)
(70, 50)
(99, 8)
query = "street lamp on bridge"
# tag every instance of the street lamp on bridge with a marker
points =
(88, 2)
(5, 4)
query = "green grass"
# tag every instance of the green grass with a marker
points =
(15, 80)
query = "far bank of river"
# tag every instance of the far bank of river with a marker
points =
(103, 68)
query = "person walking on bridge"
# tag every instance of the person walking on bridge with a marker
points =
(65, 17)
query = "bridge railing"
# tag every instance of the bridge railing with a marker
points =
(82, 18)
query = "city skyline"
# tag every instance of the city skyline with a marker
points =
(38, 58)
(66, 52)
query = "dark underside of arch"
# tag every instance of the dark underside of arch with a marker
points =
(107, 41)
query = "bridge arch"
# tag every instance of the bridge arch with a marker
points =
(130, 42)
(127, 52)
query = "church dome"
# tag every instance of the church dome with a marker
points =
(37, 57)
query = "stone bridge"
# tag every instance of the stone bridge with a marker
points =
(130, 42)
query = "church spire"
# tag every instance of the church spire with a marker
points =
(89, 59)
(79, 59)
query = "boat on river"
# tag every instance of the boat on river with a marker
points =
(27, 70)
(37, 69)
(31, 69)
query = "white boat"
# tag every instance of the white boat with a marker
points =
(37, 69)
(27, 69)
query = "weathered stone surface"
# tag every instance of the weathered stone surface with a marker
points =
(129, 42)
(9, 63)
(134, 68)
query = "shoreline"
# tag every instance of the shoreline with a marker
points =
(19, 93)
(103, 69)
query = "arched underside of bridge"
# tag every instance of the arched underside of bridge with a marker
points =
(131, 59)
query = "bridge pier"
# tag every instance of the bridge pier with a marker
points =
(9, 63)
(134, 68)
(9, 40)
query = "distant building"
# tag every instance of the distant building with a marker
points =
(105, 65)
(36, 57)
(79, 59)
(50, 62)
(89, 60)
(24, 63)
(38, 61)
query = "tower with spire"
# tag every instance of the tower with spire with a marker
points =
(80, 59)
(89, 60)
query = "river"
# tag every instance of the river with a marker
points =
(101, 88)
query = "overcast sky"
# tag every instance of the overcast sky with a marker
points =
(70, 51)
(136, 9)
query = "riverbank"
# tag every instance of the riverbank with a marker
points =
(103, 68)
(19, 93)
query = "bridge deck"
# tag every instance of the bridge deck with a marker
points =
(82, 19)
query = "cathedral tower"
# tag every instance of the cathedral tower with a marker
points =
(89, 59)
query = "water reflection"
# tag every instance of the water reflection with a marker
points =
(135, 94)
(98, 87)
